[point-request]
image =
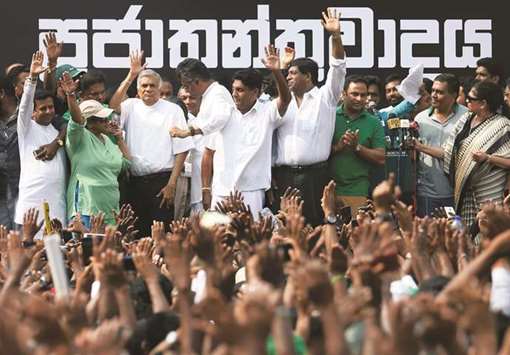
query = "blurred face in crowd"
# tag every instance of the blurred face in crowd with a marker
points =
(355, 97)
(391, 92)
(193, 86)
(148, 90)
(20, 82)
(44, 111)
(297, 81)
(191, 102)
(95, 92)
(442, 99)
(461, 99)
(425, 100)
(243, 96)
(483, 74)
(373, 94)
(507, 96)
(474, 103)
(166, 90)
(98, 125)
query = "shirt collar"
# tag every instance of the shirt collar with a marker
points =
(340, 110)
(255, 108)
(455, 107)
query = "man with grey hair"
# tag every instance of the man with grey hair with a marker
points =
(158, 159)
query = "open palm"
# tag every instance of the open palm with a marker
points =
(272, 59)
(331, 21)
(36, 67)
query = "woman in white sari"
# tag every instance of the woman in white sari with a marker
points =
(475, 156)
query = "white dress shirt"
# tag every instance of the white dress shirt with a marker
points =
(307, 132)
(216, 109)
(148, 135)
(242, 160)
(39, 180)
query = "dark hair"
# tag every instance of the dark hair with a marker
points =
(490, 92)
(250, 78)
(451, 81)
(374, 80)
(307, 66)
(493, 67)
(507, 83)
(90, 78)
(41, 94)
(192, 69)
(14, 72)
(355, 78)
(427, 85)
(7, 87)
(392, 77)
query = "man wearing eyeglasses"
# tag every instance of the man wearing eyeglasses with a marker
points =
(436, 124)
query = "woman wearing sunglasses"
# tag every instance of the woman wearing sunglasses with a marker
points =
(476, 156)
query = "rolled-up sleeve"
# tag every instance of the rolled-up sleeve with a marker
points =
(220, 115)
(335, 80)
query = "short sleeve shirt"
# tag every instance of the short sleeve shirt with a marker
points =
(349, 171)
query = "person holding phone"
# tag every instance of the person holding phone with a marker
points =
(40, 180)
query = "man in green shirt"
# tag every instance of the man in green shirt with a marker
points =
(358, 144)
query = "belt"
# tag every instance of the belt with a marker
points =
(322, 164)
(151, 176)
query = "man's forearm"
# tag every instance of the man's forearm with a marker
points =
(50, 80)
(116, 99)
(284, 96)
(375, 156)
(337, 47)
(177, 169)
(435, 152)
(207, 168)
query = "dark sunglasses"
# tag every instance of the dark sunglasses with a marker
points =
(471, 98)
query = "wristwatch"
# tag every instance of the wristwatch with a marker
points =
(330, 219)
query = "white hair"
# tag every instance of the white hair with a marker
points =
(148, 73)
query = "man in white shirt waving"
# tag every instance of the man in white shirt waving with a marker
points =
(242, 159)
(304, 139)
(40, 180)
(158, 159)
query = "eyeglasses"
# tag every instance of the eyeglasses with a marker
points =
(471, 98)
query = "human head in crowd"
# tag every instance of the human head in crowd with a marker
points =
(269, 86)
(17, 76)
(489, 69)
(148, 85)
(374, 90)
(44, 107)
(246, 88)
(355, 94)
(507, 96)
(7, 97)
(465, 85)
(391, 93)
(485, 98)
(93, 86)
(445, 90)
(191, 102)
(303, 75)
(194, 76)
(97, 116)
(166, 89)
(12, 66)
(425, 97)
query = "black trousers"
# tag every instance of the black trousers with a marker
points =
(142, 195)
(310, 180)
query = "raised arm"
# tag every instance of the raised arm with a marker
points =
(136, 66)
(26, 106)
(336, 74)
(53, 50)
(69, 86)
(331, 23)
(272, 62)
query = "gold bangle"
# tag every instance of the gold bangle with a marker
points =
(206, 189)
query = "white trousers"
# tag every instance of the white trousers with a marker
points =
(255, 199)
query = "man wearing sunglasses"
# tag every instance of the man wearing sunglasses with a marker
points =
(436, 124)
